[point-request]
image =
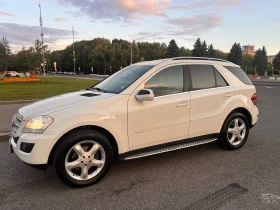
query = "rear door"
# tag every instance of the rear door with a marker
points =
(211, 95)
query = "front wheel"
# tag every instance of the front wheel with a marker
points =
(234, 132)
(83, 158)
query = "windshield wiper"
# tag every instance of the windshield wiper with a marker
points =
(98, 89)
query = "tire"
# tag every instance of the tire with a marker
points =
(65, 155)
(17, 75)
(230, 137)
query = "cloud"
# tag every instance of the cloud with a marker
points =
(186, 27)
(59, 19)
(194, 25)
(205, 4)
(145, 36)
(118, 10)
(75, 14)
(6, 13)
(25, 35)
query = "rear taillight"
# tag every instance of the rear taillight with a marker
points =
(254, 98)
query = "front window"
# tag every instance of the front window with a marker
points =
(119, 81)
(168, 81)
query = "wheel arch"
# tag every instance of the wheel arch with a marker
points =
(103, 131)
(243, 111)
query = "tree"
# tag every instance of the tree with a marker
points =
(5, 53)
(185, 52)
(264, 59)
(172, 50)
(235, 55)
(211, 51)
(2, 56)
(276, 61)
(197, 49)
(204, 49)
(260, 61)
(221, 55)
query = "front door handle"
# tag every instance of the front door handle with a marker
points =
(228, 95)
(182, 104)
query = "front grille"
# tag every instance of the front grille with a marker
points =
(16, 121)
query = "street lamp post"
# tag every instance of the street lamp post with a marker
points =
(131, 53)
(73, 31)
(255, 70)
(272, 70)
(42, 36)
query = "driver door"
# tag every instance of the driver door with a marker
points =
(166, 118)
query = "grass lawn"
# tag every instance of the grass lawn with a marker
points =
(46, 88)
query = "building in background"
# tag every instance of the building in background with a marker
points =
(270, 58)
(249, 49)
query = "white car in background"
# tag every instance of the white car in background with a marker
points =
(144, 109)
(11, 74)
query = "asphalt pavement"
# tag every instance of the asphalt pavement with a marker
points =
(202, 177)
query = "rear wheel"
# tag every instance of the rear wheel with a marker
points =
(234, 132)
(83, 158)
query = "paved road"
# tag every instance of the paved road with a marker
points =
(193, 178)
(6, 114)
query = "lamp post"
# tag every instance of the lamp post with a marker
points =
(272, 70)
(255, 70)
(42, 36)
(131, 53)
(73, 31)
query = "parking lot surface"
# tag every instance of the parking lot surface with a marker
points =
(202, 177)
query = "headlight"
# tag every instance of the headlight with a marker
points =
(37, 124)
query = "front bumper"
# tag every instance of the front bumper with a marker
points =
(40, 152)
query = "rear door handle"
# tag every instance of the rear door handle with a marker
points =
(182, 104)
(228, 95)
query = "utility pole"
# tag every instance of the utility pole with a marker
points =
(42, 36)
(73, 31)
(255, 70)
(131, 53)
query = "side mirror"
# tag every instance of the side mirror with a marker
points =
(145, 95)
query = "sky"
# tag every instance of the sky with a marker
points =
(220, 22)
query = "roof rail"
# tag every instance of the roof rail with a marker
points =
(199, 58)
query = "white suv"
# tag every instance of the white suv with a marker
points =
(144, 109)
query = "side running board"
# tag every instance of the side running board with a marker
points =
(168, 148)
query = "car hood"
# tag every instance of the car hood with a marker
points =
(54, 104)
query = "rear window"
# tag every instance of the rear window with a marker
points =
(240, 74)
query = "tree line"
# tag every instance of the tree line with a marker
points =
(105, 57)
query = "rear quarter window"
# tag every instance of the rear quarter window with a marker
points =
(240, 74)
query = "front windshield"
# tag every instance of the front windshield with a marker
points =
(119, 81)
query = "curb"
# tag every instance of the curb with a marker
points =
(18, 102)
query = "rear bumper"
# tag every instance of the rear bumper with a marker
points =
(255, 116)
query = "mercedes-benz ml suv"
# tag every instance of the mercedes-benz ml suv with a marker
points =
(144, 109)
